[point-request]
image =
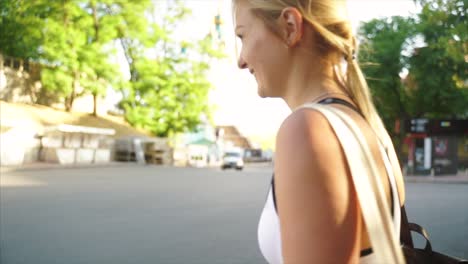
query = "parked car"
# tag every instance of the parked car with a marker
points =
(232, 159)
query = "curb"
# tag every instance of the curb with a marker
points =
(446, 179)
(52, 166)
(451, 179)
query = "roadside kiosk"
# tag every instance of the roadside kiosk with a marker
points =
(437, 147)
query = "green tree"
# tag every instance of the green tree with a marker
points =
(101, 74)
(438, 69)
(19, 21)
(383, 42)
(71, 39)
(66, 51)
(74, 39)
(168, 94)
(20, 33)
(431, 48)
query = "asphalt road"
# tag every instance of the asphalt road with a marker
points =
(150, 214)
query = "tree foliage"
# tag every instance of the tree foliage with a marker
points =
(69, 38)
(75, 40)
(439, 67)
(168, 92)
(19, 22)
(383, 41)
(428, 51)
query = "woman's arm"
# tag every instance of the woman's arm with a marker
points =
(318, 209)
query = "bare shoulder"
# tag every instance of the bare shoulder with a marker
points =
(306, 136)
(309, 154)
(301, 123)
(313, 191)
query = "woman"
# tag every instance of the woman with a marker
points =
(303, 51)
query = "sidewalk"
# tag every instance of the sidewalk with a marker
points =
(49, 166)
(458, 178)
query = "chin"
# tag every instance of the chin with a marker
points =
(262, 92)
(266, 93)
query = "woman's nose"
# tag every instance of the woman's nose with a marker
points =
(241, 63)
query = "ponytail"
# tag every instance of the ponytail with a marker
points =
(360, 94)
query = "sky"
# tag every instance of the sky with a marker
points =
(234, 93)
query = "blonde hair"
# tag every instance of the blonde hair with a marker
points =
(329, 20)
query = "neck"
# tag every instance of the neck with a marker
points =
(309, 83)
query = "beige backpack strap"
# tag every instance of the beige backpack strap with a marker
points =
(367, 183)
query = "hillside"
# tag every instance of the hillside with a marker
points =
(39, 116)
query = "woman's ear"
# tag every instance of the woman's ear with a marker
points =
(292, 25)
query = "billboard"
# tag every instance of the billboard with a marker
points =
(444, 153)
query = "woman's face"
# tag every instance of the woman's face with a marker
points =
(263, 53)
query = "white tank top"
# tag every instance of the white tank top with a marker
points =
(269, 237)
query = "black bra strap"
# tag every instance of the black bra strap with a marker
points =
(273, 192)
(333, 100)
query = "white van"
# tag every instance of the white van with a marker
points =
(233, 159)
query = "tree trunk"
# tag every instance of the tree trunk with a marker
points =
(96, 22)
(67, 104)
(96, 40)
(32, 93)
(401, 138)
(398, 140)
(95, 96)
(71, 98)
